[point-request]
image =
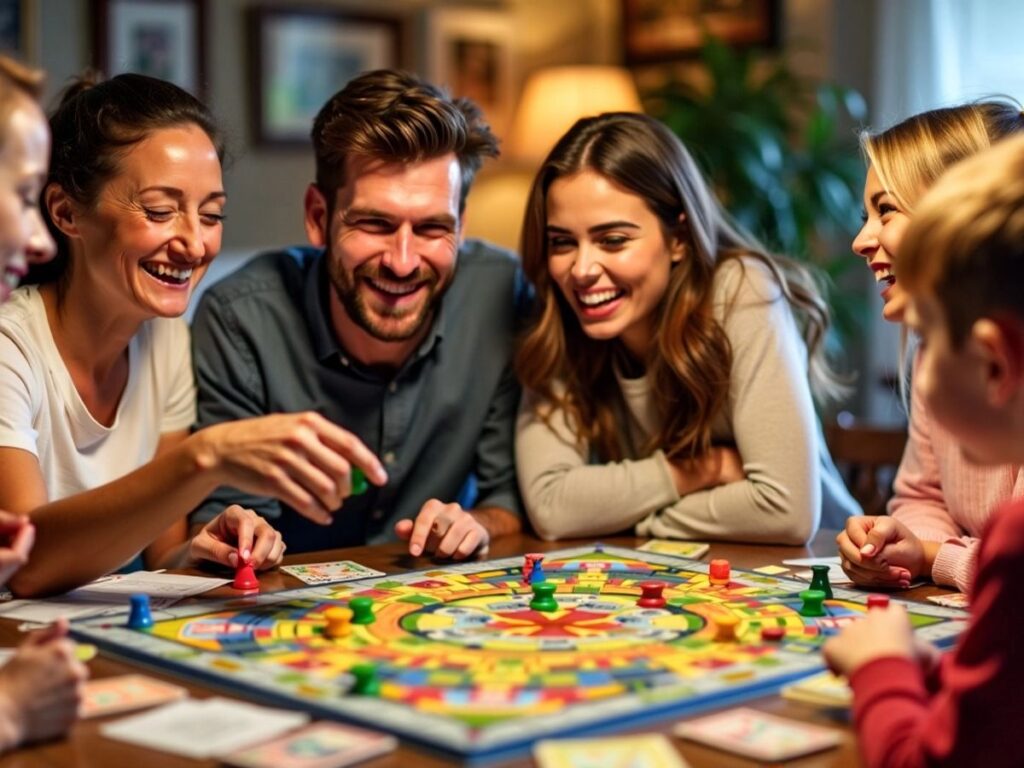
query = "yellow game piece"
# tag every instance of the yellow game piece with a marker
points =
(725, 627)
(339, 622)
(85, 651)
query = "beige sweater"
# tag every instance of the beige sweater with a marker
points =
(769, 417)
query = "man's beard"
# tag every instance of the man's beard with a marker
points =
(382, 322)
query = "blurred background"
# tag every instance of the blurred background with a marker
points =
(769, 94)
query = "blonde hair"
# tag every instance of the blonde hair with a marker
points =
(911, 155)
(17, 79)
(690, 361)
(965, 246)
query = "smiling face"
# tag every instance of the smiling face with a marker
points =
(392, 237)
(24, 238)
(608, 256)
(155, 226)
(878, 242)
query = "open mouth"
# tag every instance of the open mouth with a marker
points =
(168, 274)
(596, 299)
(394, 289)
(884, 275)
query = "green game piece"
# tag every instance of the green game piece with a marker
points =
(544, 597)
(813, 602)
(367, 683)
(362, 610)
(358, 482)
(820, 580)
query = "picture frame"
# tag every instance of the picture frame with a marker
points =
(300, 57)
(663, 30)
(471, 53)
(19, 29)
(159, 38)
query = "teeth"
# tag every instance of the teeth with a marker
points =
(396, 289)
(598, 297)
(884, 275)
(163, 270)
(11, 279)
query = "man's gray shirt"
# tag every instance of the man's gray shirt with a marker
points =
(442, 425)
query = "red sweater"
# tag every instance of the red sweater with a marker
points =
(969, 714)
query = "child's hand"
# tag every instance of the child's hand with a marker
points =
(238, 531)
(40, 688)
(883, 632)
(881, 552)
(17, 535)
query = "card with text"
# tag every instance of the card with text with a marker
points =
(320, 745)
(691, 549)
(110, 695)
(329, 573)
(646, 751)
(756, 734)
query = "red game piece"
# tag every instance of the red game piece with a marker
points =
(772, 634)
(529, 561)
(718, 572)
(245, 578)
(650, 594)
(878, 601)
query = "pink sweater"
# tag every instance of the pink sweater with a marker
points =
(941, 497)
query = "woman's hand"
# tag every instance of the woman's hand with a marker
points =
(302, 459)
(718, 466)
(238, 533)
(17, 535)
(879, 551)
(40, 687)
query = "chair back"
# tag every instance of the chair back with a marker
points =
(867, 456)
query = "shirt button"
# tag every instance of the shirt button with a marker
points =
(377, 514)
(393, 387)
(344, 361)
(389, 457)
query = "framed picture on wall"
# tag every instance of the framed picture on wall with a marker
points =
(18, 26)
(300, 58)
(662, 30)
(160, 38)
(470, 52)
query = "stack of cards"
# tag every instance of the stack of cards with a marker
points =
(645, 751)
(951, 600)
(320, 745)
(691, 549)
(329, 573)
(758, 735)
(822, 690)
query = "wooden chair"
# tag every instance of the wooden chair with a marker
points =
(867, 456)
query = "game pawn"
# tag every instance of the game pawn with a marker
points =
(140, 617)
(726, 625)
(359, 484)
(813, 603)
(245, 578)
(362, 610)
(719, 573)
(651, 594)
(537, 571)
(544, 597)
(339, 622)
(530, 560)
(820, 580)
(878, 601)
(367, 683)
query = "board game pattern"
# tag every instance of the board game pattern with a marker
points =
(467, 667)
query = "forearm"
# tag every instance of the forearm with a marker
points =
(111, 523)
(497, 521)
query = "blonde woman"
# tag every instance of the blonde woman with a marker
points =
(941, 501)
(670, 368)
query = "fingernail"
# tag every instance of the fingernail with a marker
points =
(867, 549)
(246, 554)
(416, 550)
(233, 560)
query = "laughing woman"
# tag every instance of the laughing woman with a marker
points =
(667, 372)
(96, 390)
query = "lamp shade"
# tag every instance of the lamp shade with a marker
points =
(556, 97)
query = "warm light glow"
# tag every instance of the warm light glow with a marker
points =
(556, 97)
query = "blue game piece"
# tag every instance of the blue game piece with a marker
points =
(140, 617)
(537, 574)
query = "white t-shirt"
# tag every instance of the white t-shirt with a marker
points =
(41, 412)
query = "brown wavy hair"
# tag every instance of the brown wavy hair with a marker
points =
(690, 358)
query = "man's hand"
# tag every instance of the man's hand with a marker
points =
(445, 530)
(238, 532)
(882, 552)
(17, 535)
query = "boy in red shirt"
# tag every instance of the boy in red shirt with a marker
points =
(962, 262)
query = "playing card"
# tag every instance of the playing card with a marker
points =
(691, 549)
(822, 690)
(758, 735)
(320, 745)
(771, 570)
(646, 751)
(328, 573)
(952, 600)
(108, 695)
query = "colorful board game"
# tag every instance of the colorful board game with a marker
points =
(465, 665)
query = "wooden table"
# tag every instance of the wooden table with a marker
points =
(86, 748)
